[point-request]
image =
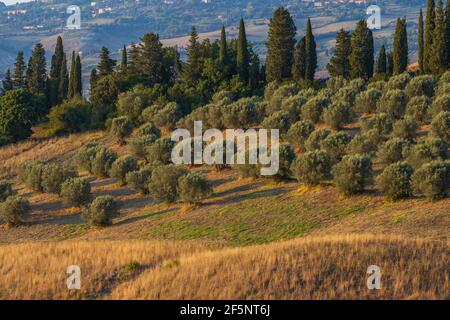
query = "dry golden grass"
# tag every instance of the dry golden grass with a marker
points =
(38, 270)
(311, 268)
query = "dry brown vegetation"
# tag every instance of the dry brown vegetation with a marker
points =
(317, 268)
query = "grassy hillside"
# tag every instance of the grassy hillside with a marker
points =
(319, 268)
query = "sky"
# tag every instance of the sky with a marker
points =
(8, 2)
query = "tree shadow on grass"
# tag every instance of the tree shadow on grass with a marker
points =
(144, 216)
(249, 196)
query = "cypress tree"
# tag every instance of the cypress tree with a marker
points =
(280, 47)
(400, 47)
(438, 60)
(299, 65)
(7, 82)
(124, 61)
(78, 82)
(447, 32)
(223, 52)
(362, 52)
(55, 72)
(19, 78)
(150, 61)
(106, 64)
(389, 64)
(243, 55)
(193, 70)
(381, 67)
(420, 41)
(339, 63)
(93, 79)
(133, 60)
(72, 76)
(254, 72)
(429, 27)
(63, 81)
(311, 54)
(37, 73)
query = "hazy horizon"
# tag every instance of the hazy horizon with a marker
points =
(10, 2)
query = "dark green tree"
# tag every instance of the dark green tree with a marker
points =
(438, 60)
(400, 47)
(299, 65)
(19, 79)
(447, 32)
(223, 53)
(381, 67)
(311, 54)
(106, 65)
(7, 82)
(63, 85)
(150, 61)
(280, 46)
(243, 55)
(72, 77)
(429, 27)
(194, 64)
(55, 72)
(339, 63)
(362, 53)
(124, 61)
(389, 64)
(78, 81)
(93, 79)
(420, 41)
(254, 72)
(37, 73)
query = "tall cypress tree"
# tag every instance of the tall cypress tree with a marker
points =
(389, 64)
(124, 61)
(150, 61)
(280, 46)
(362, 54)
(72, 76)
(7, 82)
(381, 67)
(243, 55)
(400, 47)
(420, 41)
(428, 42)
(339, 63)
(93, 80)
(311, 54)
(55, 71)
(63, 81)
(19, 78)
(447, 32)
(223, 52)
(133, 60)
(299, 65)
(78, 81)
(194, 65)
(37, 73)
(254, 74)
(106, 64)
(438, 60)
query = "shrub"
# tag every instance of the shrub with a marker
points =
(13, 210)
(75, 191)
(398, 82)
(240, 114)
(417, 108)
(281, 94)
(440, 126)
(337, 115)
(160, 152)
(336, 144)
(365, 143)
(121, 167)
(53, 176)
(394, 150)
(6, 190)
(353, 174)
(382, 123)
(248, 170)
(100, 212)
(132, 103)
(366, 101)
(313, 167)
(168, 116)
(140, 143)
(427, 151)
(139, 180)
(440, 103)
(102, 162)
(379, 85)
(30, 173)
(393, 103)
(395, 181)
(121, 128)
(312, 110)
(84, 157)
(421, 86)
(405, 128)
(70, 117)
(336, 83)
(347, 95)
(315, 139)
(293, 105)
(432, 180)
(278, 120)
(299, 132)
(193, 187)
(164, 182)
(286, 157)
